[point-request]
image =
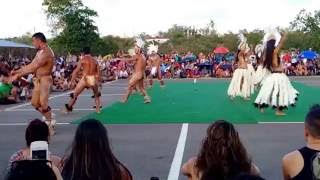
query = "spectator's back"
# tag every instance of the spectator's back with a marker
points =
(304, 163)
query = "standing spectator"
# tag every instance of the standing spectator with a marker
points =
(91, 156)
(304, 163)
(222, 155)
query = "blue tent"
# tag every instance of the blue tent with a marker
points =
(310, 55)
(11, 44)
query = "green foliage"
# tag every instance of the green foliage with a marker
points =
(74, 27)
(24, 39)
(306, 27)
(77, 29)
(255, 37)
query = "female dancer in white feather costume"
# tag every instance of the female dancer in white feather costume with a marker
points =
(276, 89)
(240, 83)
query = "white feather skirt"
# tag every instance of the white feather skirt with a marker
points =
(276, 91)
(251, 72)
(260, 75)
(238, 89)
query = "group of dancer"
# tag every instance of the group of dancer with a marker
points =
(275, 88)
(43, 63)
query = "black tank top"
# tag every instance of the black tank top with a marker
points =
(308, 157)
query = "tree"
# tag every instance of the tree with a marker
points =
(307, 27)
(230, 40)
(57, 10)
(112, 44)
(72, 21)
(255, 37)
(307, 22)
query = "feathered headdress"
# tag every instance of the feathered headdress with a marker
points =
(259, 49)
(131, 52)
(152, 49)
(271, 34)
(139, 43)
(243, 43)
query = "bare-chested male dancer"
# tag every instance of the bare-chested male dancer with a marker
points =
(138, 74)
(90, 78)
(41, 66)
(155, 63)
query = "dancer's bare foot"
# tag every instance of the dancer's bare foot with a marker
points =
(67, 109)
(147, 99)
(51, 124)
(247, 99)
(124, 100)
(98, 109)
(280, 113)
(232, 98)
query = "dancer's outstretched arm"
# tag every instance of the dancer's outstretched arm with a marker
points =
(282, 41)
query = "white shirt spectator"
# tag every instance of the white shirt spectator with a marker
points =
(123, 74)
(62, 70)
(57, 74)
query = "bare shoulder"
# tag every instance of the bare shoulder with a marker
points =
(45, 54)
(255, 170)
(276, 51)
(50, 52)
(126, 175)
(292, 157)
(292, 163)
(189, 166)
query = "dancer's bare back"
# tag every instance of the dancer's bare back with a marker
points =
(242, 62)
(89, 65)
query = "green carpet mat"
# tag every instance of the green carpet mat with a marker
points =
(203, 102)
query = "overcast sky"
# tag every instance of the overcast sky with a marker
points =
(131, 17)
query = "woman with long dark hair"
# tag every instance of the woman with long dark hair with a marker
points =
(240, 82)
(276, 89)
(222, 155)
(91, 157)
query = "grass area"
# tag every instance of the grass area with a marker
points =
(203, 102)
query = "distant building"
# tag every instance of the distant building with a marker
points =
(157, 39)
